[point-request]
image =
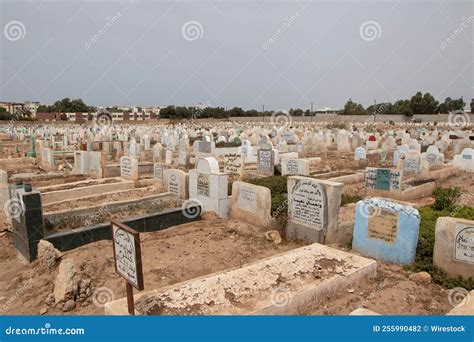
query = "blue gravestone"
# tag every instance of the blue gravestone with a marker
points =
(386, 230)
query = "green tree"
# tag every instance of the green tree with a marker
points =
(449, 105)
(423, 104)
(353, 108)
(402, 107)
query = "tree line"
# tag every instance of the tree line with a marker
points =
(418, 104)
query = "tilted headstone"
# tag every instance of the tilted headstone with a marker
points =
(251, 203)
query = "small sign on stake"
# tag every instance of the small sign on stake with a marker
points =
(128, 259)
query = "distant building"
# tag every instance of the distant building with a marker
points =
(472, 106)
(11, 107)
(15, 107)
(83, 117)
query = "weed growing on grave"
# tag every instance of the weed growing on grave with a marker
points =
(424, 250)
(278, 188)
(445, 198)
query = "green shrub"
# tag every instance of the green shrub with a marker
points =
(445, 198)
(278, 188)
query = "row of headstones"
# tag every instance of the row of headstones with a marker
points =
(383, 229)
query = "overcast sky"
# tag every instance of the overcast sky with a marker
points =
(283, 54)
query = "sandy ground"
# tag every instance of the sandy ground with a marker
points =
(194, 250)
(170, 256)
(391, 293)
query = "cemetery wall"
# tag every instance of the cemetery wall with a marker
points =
(355, 118)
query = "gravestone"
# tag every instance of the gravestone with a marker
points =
(251, 203)
(129, 168)
(176, 182)
(206, 144)
(312, 206)
(386, 230)
(383, 179)
(432, 157)
(465, 160)
(168, 157)
(233, 164)
(209, 186)
(360, 153)
(27, 223)
(411, 162)
(399, 153)
(158, 155)
(4, 195)
(159, 172)
(295, 167)
(265, 159)
(454, 247)
(372, 142)
(183, 153)
(47, 158)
